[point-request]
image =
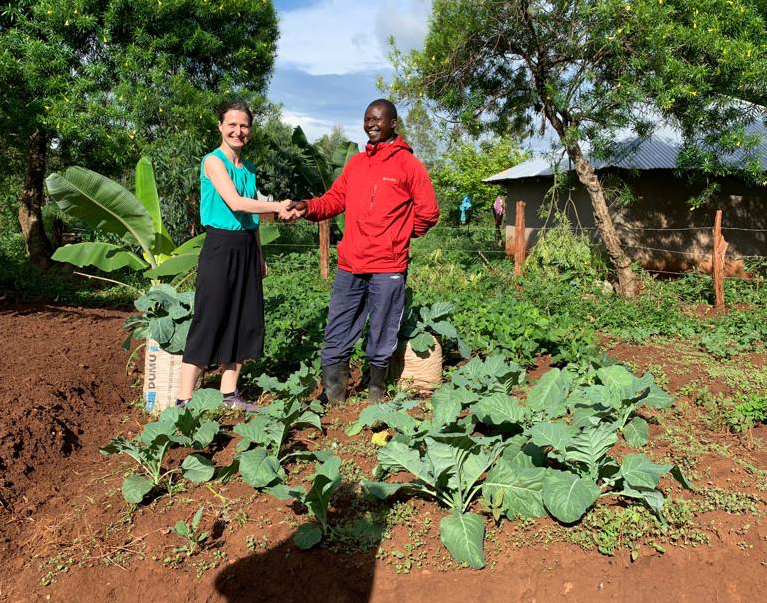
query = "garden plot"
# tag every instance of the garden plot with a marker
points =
(68, 525)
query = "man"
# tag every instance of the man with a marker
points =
(388, 199)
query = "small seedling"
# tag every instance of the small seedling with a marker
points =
(189, 532)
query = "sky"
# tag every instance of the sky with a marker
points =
(330, 53)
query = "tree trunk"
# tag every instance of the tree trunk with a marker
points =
(627, 281)
(39, 247)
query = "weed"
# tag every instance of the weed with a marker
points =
(188, 531)
(55, 566)
(733, 503)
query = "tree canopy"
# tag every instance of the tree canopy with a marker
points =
(99, 80)
(589, 68)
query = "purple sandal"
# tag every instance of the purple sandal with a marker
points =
(235, 400)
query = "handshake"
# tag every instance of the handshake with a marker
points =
(290, 211)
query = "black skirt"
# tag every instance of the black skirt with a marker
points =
(228, 322)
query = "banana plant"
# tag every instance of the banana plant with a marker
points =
(319, 171)
(106, 205)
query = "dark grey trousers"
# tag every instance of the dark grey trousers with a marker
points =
(355, 298)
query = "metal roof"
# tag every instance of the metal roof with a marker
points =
(659, 152)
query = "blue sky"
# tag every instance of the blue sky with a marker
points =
(329, 54)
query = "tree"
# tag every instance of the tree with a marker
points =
(465, 166)
(589, 68)
(99, 81)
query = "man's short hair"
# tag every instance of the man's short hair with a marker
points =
(387, 105)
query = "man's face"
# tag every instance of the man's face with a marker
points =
(378, 125)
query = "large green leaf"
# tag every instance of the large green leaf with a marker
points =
(268, 232)
(195, 243)
(518, 452)
(557, 435)
(383, 490)
(636, 432)
(497, 409)
(205, 434)
(446, 408)
(590, 446)
(397, 456)
(135, 488)
(157, 429)
(313, 166)
(657, 398)
(174, 265)
(104, 256)
(196, 468)
(640, 472)
(463, 534)
(548, 394)
(326, 480)
(102, 203)
(343, 152)
(522, 489)
(258, 468)
(422, 343)
(146, 192)
(205, 400)
(567, 496)
(261, 429)
(307, 535)
(618, 379)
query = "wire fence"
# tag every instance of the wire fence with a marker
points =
(307, 230)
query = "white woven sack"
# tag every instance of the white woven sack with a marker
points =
(418, 373)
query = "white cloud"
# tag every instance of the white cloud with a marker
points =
(315, 127)
(348, 36)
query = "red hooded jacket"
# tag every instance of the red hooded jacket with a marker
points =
(388, 199)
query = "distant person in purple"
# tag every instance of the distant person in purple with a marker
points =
(499, 211)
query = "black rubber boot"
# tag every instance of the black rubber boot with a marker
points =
(335, 378)
(377, 384)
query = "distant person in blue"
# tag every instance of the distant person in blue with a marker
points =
(228, 323)
(464, 208)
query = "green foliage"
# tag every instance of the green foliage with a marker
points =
(174, 426)
(106, 78)
(649, 54)
(562, 254)
(518, 329)
(421, 325)
(462, 169)
(107, 206)
(166, 316)
(549, 455)
(326, 480)
(749, 412)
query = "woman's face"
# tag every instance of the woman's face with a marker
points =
(235, 129)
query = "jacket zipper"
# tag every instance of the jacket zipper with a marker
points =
(372, 197)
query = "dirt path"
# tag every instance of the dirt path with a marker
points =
(65, 534)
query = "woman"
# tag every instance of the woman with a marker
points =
(228, 323)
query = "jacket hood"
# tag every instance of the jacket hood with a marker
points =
(386, 149)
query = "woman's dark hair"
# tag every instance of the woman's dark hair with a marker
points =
(236, 105)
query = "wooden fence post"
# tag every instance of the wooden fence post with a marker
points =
(519, 238)
(324, 227)
(717, 261)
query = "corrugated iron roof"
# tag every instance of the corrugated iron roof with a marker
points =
(659, 152)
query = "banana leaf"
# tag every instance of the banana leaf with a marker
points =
(102, 204)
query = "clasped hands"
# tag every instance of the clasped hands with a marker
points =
(291, 211)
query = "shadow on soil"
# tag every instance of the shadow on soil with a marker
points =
(287, 574)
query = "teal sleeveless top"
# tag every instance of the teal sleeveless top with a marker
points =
(214, 211)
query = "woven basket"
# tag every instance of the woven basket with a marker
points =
(417, 373)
